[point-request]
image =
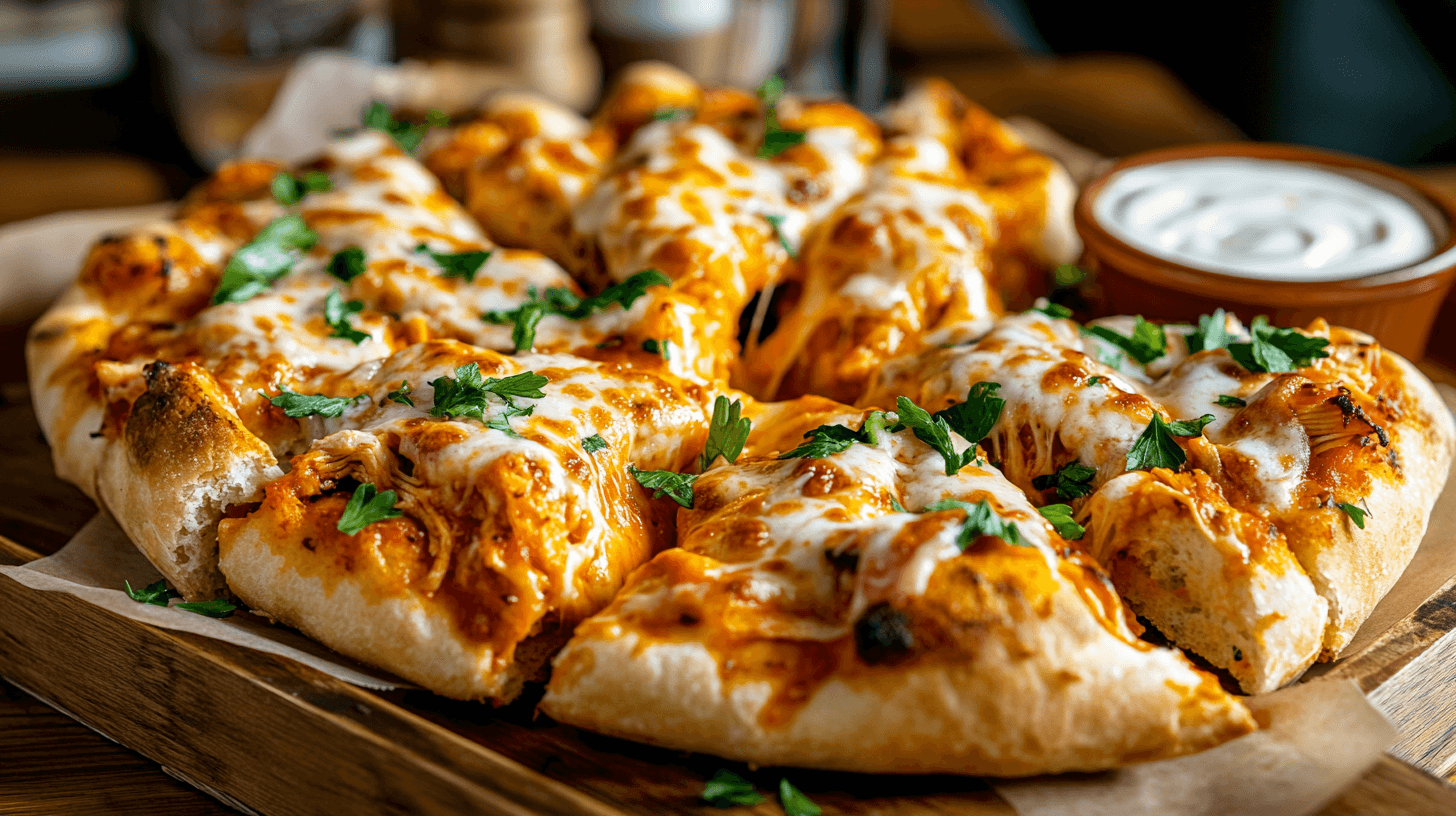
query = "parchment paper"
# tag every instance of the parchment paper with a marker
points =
(96, 563)
(1320, 735)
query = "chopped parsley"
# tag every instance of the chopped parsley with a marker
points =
(935, 432)
(1091, 381)
(974, 418)
(1068, 275)
(365, 507)
(265, 259)
(662, 348)
(593, 443)
(795, 802)
(676, 486)
(155, 594)
(1146, 344)
(981, 520)
(337, 313)
(1356, 514)
(777, 222)
(1111, 359)
(1211, 333)
(289, 189)
(727, 789)
(1228, 401)
(468, 395)
(825, 441)
(216, 608)
(298, 405)
(1156, 448)
(1056, 311)
(775, 138)
(1238, 653)
(564, 302)
(408, 135)
(347, 264)
(401, 394)
(458, 264)
(727, 433)
(672, 114)
(1072, 481)
(1277, 350)
(1060, 517)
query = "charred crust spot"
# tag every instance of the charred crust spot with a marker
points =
(806, 190)
(883, 635)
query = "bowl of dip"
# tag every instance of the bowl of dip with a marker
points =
(1290, 232)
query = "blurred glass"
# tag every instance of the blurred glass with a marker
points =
(225, 59)
(62, 44)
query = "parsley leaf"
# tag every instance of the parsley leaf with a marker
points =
(458, 264)
(824, 441)
(935, 432)
(1060, 517)
(298, 405)
(662, 348)
(289, 189)
(561, 301)
(1277, 350)
(727, 789)
(1156, 448)
(401, 394)
(775, 139)
(1146, 344)
(727, 432)
(593, 443)
(336, 314)
(407, 135)
(1230, 402)
(672, 114)
(1212, 333)
(501, 421)
(1068, 275)
(981, 520)
(216, 608)
(676, 486)
(777, 222)
(795, 802)
(1071, 481)
(466, 394)
(1056, 311)
(155, 594)
(365, 507)
(975, 417)
(1091, 381)
(1356, 514)
(347, 264)
(268, 257)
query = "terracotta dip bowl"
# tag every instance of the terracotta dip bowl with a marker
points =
(1152, 274)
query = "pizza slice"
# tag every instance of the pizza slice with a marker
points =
(1224, 490)
(848, 605)
(463, 510)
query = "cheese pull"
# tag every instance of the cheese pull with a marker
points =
(805, 619)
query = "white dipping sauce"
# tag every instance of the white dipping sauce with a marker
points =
(1261, 218)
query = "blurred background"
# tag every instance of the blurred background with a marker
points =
(113, 103)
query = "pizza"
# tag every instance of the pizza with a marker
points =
(719, 412)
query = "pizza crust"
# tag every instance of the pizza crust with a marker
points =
(1080, 700)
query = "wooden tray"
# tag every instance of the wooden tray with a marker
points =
(268, 735)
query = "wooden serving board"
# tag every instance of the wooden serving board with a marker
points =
(267, 735)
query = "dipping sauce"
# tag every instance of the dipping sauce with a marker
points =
(1263, 219)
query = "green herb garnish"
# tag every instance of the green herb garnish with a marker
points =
(1277, 351)
(1060, 517)
(727, 433)
(337, 313)
(289, 189)
(1146, 344)
(265, 259)
(564, 302)
(676, 486)
(1230, 401)
(217, 608)
(365, 507)
(468, 395)
(1156, 448)
(593, 443)
(298, 405)
(1212, 333)
(727, 789)
(1056, 311)
(662, 348)
(155, 594)
(401, 394)
(981, 520)
(347, 264)
(1356, 514)
(775, 138)
(458, 264)
(1072, 481)
(777, 222)
(407, 135)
